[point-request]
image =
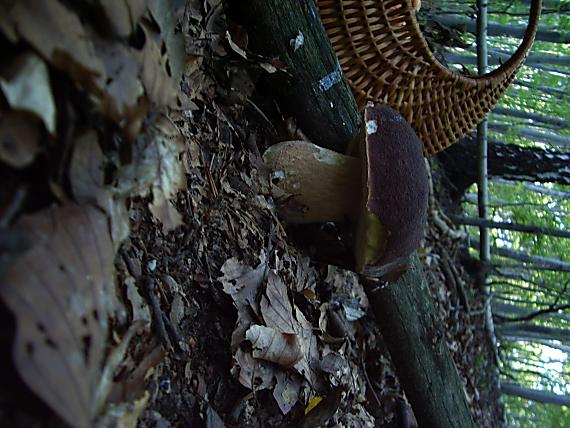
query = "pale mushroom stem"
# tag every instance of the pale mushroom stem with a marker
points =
(320, 185)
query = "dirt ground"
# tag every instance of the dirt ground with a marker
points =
(204, 270)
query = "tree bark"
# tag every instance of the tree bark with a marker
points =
(535, 394)
(313, 86)
(506, 161)
(411, 330)
(528, 228)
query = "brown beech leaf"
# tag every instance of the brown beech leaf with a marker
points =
(286, 391)
(59, 36)
(254, 374)
(87, 177)
(26, 86)
(156, 169)
(243, 283)
(276, 307)
(272, 345)
(163, 11)
(160, 87)
(19, 138)
(122, 88)
(60, 292)
(124, 14)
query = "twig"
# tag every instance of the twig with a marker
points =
(436, 215)
(148, 288)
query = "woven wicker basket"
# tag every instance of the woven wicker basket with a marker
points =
(386, 59)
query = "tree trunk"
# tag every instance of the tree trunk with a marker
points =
(409, 325)
(534, 331)
(498, 57)
(556, 264)
(463, 22)
(506, 161)
(531, 134)
(528, 228)
(535, 394)
(555, 92)
(313, 86)
(548, 120)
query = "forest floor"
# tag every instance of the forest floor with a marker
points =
(217, 266)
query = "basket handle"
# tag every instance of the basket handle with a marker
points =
(510, 66)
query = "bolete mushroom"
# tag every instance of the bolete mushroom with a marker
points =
(383, 191)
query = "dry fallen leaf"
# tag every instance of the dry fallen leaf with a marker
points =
(59, 36)
(160, 87)
(287, 339)
(275, 305)
(26, 86)
(124, 14)
(271, 345)
(156, 169)
(163, 13)
(287, 389)
(19, 138)
(122, 87)
(254, 374)
(243, 284)
(61, 294)
(87, 177)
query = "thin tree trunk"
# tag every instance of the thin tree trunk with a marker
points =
(555, 92)
(546, 191)
(407, 318)
(531, 134)
(534, 330)
(535, 394)
(463, 22)
(557, 264)
(555, 121)
(498, 57)
(528, 228)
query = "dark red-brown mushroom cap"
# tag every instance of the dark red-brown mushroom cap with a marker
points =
(397, 186)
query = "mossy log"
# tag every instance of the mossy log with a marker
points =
(407, 317)
(312, 87)
(313, 92)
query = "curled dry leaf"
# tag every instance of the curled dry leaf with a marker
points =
(26, 86)
(60, 293)
(19, 138)
(271, 345)
(243, 283)
(59, 36)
